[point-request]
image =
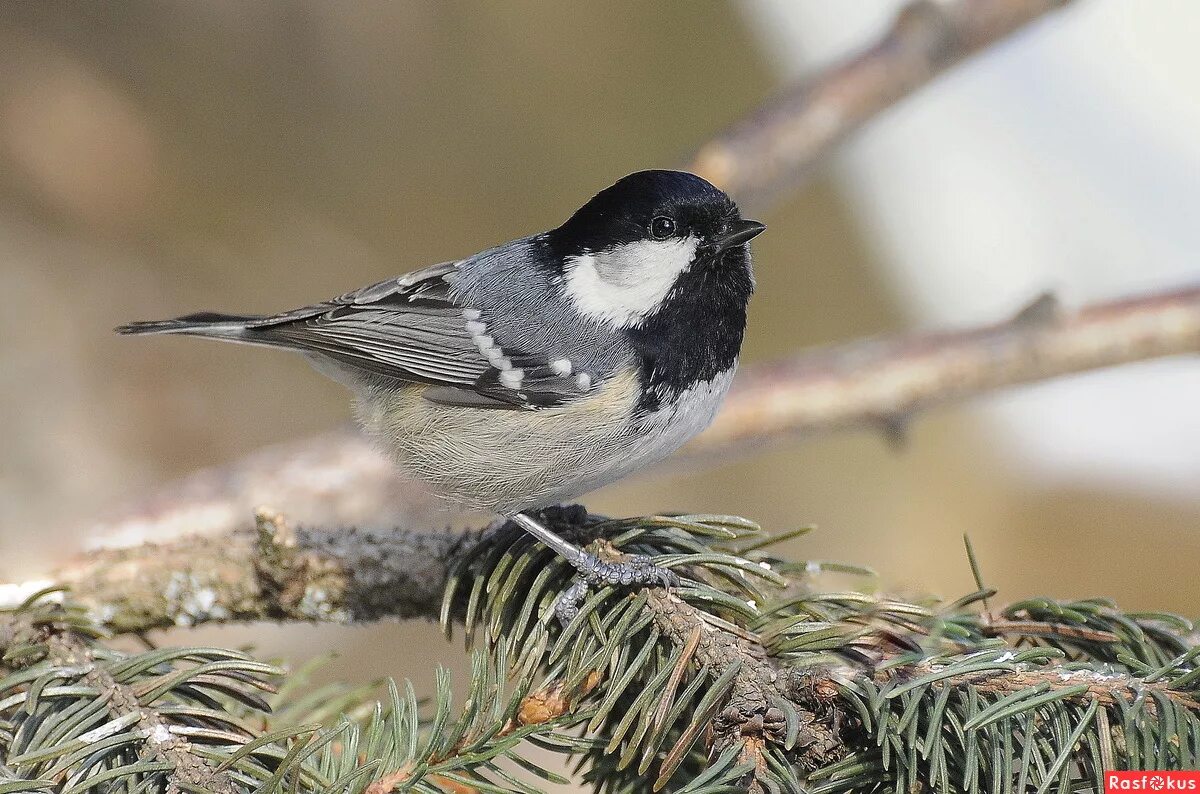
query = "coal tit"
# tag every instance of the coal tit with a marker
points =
(544, 368)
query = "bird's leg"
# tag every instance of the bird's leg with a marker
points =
(592, 570)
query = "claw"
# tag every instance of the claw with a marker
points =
(566, 606)
(646, 572)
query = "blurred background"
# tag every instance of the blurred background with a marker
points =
(162, 157)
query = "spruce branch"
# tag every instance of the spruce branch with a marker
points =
(76, 714)
(184, 768)
(748, 675)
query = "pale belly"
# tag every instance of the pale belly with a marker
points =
(507, 461)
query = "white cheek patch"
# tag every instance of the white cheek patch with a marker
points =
(626, 284)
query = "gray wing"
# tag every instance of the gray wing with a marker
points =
(413, 328)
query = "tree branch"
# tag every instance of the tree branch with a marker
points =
(336, 478)
(751, 715)
(268, 572)
(776, 146)
(885, 382)
(1106, 688)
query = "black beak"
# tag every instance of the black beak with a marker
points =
(739, 232)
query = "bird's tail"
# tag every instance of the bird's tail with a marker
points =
(231, 327)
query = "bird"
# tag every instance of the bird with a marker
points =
(544, 368)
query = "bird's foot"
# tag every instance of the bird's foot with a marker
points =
(566, 606)
(595, 572)
(635, 569)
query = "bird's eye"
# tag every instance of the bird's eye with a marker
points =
(662, 227)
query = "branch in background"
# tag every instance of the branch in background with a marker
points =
(776, 146)
(339, 478)
(885, 382)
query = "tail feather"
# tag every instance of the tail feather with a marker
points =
(211, 324)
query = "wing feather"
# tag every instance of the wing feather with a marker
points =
(413, 329)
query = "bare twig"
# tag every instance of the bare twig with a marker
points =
(778, 144)
(885, 382)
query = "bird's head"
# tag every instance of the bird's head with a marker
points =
(627, 252)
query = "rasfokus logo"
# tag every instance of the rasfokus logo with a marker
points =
(1151, 781)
